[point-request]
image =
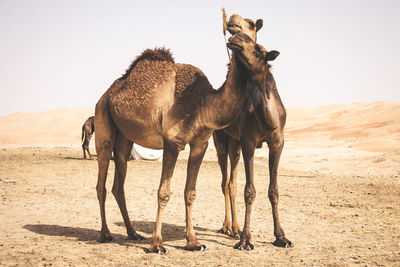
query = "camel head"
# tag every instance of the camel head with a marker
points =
(252, 55)
(237, 24)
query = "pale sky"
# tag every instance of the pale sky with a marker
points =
(67, 53)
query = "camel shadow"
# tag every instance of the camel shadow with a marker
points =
(73, 158)
(81, 234)
(171, 232)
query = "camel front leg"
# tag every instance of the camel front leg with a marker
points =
(275, 151)
(248, 148)
(234, 156)
(195, 158)
(221, 145)
(170, 155)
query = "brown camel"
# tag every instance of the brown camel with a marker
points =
(160, 104)
(235, 24)
(262, 120)
(87, 132)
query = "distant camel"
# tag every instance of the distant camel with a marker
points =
(87, 132)
(262, 120)
(160, 104)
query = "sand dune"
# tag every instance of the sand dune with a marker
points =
(58, 127)
(370, 127)
(342, 139)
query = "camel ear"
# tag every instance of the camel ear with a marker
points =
(272, 55)
(259, 24)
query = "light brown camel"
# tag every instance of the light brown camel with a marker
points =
(262, 120)
(160, 104)
(87, 132)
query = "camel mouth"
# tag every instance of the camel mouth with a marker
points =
(233, 46)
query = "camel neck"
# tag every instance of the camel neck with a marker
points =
(227, 102)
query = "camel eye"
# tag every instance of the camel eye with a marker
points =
(256, 52)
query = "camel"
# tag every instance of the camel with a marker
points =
(263, 120)
(235, 24)
(87, 132)
(158, 104)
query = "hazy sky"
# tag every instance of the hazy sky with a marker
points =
(67, 53)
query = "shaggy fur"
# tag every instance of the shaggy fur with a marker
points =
(157, 54)
(160, 104)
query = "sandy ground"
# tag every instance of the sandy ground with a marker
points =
(339, 183)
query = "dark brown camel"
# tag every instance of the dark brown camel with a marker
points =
(235, 24)
(160, 104)
(87, 133)
(262, 120)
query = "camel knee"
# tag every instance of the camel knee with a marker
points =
(163, 197)
(117, 191)
(101, 192)
(249, 194)
(224, 187)
(190, 196)
(273, 196)
(232, 186)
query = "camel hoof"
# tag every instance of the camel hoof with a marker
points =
(225, 230)
(159, 249)
(105, 238)
(283, 242)
(196, 247)
(236, 234)
(135, 236)
(244, 245)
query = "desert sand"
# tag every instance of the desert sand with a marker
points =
(339, 182)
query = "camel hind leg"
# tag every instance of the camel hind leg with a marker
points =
(226, 145)
(84, 151)
(221, 145)
(104, 143)
(234, 156)
(170, 155)
(122, 151)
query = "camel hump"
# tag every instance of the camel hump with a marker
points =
(157, 54)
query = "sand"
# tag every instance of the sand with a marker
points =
(339, 182)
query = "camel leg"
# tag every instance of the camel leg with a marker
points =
(87, 147)
(275, 150)
(103, 162)
(170, 155)
(234, 156)
(196, 155)
(248, 148)
(221, 145)
(122, 151)
(84, 151)
(104, 143)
